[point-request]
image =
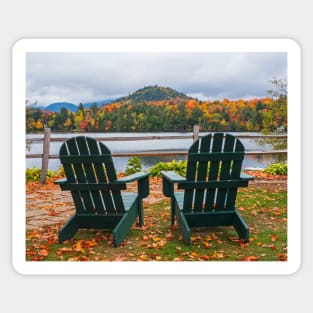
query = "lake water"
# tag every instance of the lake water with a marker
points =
(255, 161)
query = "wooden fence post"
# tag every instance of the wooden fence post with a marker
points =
(45, 156)
(195, 135)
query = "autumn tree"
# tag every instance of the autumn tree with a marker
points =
(171, 114)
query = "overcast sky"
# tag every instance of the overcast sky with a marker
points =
(87, 77)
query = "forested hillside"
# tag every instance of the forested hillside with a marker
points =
(164, 109)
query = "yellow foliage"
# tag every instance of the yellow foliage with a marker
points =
(39, 124)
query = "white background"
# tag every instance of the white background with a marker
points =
(147, 19)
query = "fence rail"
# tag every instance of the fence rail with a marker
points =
(46, 139)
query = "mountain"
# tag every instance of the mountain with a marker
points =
(57, 106)
(153, 93)
(149, 93)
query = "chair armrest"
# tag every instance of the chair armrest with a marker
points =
(61, 181)
(244, 176)
(133, 177)
(172, 176)
(168, 181)
(143, 182)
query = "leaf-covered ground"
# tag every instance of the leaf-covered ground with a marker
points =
(263, 205)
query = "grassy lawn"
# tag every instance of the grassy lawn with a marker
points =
(264, 210)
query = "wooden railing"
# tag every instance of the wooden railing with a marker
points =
(46, 139)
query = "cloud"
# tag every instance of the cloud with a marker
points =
(84, 77)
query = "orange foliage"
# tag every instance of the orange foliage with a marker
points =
(225, 102)
(267, 100)
(191, 104)
(253, 102)
(111, 107)
(157, 103)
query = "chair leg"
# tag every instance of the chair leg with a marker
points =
(68, 230)
(173, 206)
(140, 213)
(122, 228)
(241, 227)
(183, 225)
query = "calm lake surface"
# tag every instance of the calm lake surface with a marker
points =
(255, 161)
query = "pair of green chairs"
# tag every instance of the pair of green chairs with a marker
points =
(205, 197)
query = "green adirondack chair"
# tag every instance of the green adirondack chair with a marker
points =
(96, 191)
(210, 187)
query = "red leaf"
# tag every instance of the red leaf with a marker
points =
(274, 237)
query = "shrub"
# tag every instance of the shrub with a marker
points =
(133, 166)
(33, 174)
(277, 169)
(60, 171)
(180, 167)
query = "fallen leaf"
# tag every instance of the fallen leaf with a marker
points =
(282, 256)
(208, 238)
(217, 255)
(79, 247)
(43, 252)
(143, 257)
(250, 258)
(207, 245)
(169, 236)
(156, 239)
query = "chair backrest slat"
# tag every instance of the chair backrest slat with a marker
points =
(202, 173)
(90, 163)
(71, 177)
(213, 171)
(83, 144)
(235, 174)
(101, 176)
(79, 173)
(111, 175)
(229, 142)
(215, 157)
(190, 175)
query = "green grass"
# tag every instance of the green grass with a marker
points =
(264, 211)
